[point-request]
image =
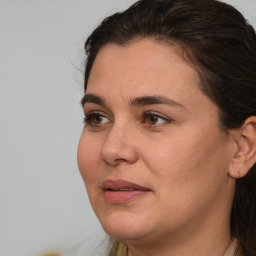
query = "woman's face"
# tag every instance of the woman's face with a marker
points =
(152, 155)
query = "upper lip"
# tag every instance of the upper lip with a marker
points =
(122, 184)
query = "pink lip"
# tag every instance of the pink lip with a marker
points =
(120, 191)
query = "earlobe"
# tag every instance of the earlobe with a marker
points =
(244, 156)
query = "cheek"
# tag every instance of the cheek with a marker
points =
(88, 156)
(187, 162)
(187, 174)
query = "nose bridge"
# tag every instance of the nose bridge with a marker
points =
(119, 144)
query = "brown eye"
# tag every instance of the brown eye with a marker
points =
(153, 119)
(95, 119)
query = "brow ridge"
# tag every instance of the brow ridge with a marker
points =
(92, 98)
(154, 100)
(138, 101)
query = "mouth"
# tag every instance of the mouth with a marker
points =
(123, 189)
(120, 191)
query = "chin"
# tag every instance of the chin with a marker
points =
(124, 227)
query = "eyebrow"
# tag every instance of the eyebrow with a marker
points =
(154, 100)
(92, 98)
(138, 101)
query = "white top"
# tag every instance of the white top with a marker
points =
(91, 247)
(233, 249)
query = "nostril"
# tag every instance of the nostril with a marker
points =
(111, 162)
(115, 161)
(120, 160)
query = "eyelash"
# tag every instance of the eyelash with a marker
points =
(88, 119)
(150, 115)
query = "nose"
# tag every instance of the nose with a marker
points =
(119, 146)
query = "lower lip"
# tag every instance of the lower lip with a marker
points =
(121, 197)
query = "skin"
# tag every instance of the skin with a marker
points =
(178, 151)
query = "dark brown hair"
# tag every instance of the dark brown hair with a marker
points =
(217, 40)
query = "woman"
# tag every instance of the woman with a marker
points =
(168, 149)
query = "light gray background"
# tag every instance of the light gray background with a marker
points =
(43, 202)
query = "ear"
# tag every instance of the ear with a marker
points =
(244, 156)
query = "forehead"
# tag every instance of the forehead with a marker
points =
(140, 65)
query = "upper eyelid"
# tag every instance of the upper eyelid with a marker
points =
(98, 112)
(88, 118)
(163, 122)
(92, 107)
(158, 115)
(94, 113)
(145, 113)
